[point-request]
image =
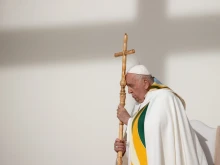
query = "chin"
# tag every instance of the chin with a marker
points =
(140, 101)
(136, 100)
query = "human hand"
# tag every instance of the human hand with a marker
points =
(120, 145)
(122, 114)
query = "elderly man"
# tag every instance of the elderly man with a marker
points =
(159, 133)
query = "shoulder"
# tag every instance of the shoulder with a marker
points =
(160, 105)
(166, 97)
(163, 94)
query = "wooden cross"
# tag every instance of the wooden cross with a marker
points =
(125, 51)
(124, 54)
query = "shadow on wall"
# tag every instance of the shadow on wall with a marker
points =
(152, 35)
(205, 148)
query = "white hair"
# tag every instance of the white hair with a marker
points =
(149, 78)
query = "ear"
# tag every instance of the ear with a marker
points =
(146, 84)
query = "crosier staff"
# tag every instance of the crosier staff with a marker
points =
(124, 54)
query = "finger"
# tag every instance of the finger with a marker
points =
(119, 146)
(119, 111)
(119, 149)
(120, 106)
(119, 143)
(119, 140)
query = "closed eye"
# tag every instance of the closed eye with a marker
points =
(130, 85)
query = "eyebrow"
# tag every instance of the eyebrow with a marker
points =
(129, 84)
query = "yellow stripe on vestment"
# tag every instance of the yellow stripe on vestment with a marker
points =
(138, 145)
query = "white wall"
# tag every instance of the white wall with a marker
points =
(59, 81)
(195, 75)
(54, 114)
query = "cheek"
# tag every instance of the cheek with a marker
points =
(137, 92)
(140, 93)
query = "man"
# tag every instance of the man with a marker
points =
(159, 133)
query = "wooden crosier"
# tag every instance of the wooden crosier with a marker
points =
(124, 54)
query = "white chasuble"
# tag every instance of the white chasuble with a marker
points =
(160, 133)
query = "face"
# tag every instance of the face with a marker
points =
(136, 87)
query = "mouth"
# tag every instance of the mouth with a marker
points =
(135, 97)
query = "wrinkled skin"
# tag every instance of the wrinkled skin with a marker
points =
(120, 145)
(137, 88)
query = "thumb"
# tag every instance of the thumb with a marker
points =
(120, 106)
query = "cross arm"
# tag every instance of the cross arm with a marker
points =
(126, 53)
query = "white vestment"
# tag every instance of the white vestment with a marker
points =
(167, 137)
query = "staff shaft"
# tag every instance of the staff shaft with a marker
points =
(122, 94)
(124, 54)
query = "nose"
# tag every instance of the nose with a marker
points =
(130, 90)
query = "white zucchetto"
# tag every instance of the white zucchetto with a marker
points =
(139, 69)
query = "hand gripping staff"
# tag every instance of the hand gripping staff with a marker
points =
(124, 54)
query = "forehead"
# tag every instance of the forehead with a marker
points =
(130, 78)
